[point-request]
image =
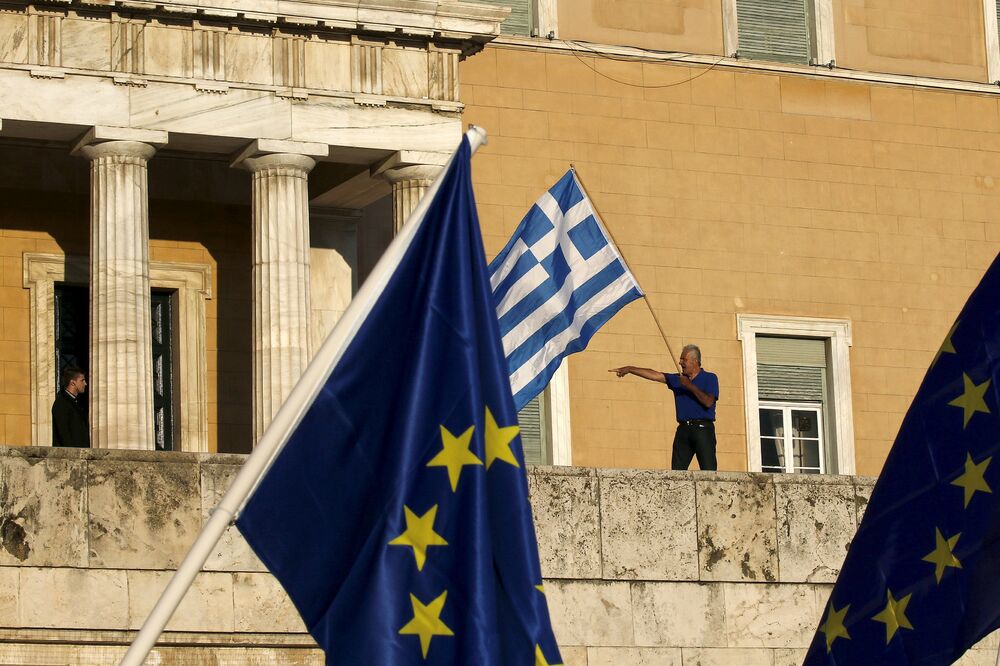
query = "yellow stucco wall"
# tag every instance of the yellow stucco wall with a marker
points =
(666, 25)
(731, 191)
(919, 37)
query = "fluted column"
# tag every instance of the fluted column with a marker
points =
(121, 377)
(281, 348)
(409, 184)
(410, 173)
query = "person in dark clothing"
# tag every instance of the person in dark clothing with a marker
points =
(695, 394)
(69, 421)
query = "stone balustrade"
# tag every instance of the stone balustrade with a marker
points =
(641, 567)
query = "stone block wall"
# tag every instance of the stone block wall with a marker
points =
(641, 567)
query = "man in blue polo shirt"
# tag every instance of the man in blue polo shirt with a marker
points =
(695, 394)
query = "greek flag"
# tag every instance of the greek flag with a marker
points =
(555, 283)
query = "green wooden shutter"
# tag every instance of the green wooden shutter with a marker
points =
(520, 21)
(773, 30)
(791, 369)
(533, 440)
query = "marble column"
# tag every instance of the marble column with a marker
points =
(409, 183)
(410, 173)
(281, 347)
(120, 384)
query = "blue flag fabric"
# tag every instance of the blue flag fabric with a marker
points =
(396, 517)
(921, 581)
(558, 280)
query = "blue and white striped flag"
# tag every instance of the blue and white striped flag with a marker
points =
(555, 283)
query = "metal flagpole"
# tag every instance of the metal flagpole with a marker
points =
(656, 320)
(284, 423)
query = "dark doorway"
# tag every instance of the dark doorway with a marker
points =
(161, 307)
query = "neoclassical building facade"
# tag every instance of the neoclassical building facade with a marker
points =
(237, 153)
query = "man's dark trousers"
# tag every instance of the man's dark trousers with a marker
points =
(694, 438)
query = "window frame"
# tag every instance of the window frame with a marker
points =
(838, 333)
(991, 24)
(193, 284)
(786, 408)
(821, 31)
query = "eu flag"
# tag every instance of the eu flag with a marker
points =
(396, 516)
(921, 582)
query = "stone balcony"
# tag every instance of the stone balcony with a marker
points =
(641, 567)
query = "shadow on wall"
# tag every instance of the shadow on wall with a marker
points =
(203, 207)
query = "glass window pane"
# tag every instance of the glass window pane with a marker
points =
(771, 423)
(772, 453)
(806, 453)
(805, 423)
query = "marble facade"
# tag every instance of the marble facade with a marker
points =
(274, 88)
(635, 562)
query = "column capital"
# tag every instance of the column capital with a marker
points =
(410, 165)
(263, 153)
(102, 141)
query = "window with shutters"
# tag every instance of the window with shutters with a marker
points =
(797, 391)
(544, 422)
(534, 431)
(793, 31)
(792, 375)
(521, 20)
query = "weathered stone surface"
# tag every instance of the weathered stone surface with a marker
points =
(73, 598)
(789, 657)
(262, 605)
(9, 587)
(648, 525)
(573, 656)
(679, 614)
(33, 654)
(770, 615)
(590, 613)
(863, 487)
(727, 657)
(978, 658)
(816, 522)
(232, 553)
(736, 528)
(43, 511)
(634, 657)
(207, 605)
(142, 515)
(564, 503)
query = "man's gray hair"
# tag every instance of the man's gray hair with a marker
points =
(692, 348)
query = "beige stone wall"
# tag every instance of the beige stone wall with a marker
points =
(640, 567)
(666, 25)
(732, 191)
(938, 39)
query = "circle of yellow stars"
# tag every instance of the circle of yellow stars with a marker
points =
(972, 480)
(420, 534)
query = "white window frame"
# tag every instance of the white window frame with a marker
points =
(838, 332)
(992, 40)
(547, 14)
(822, 29)
(786, 409)
(558, 416)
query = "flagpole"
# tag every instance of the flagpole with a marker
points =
(284, 423)
(656, 320)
